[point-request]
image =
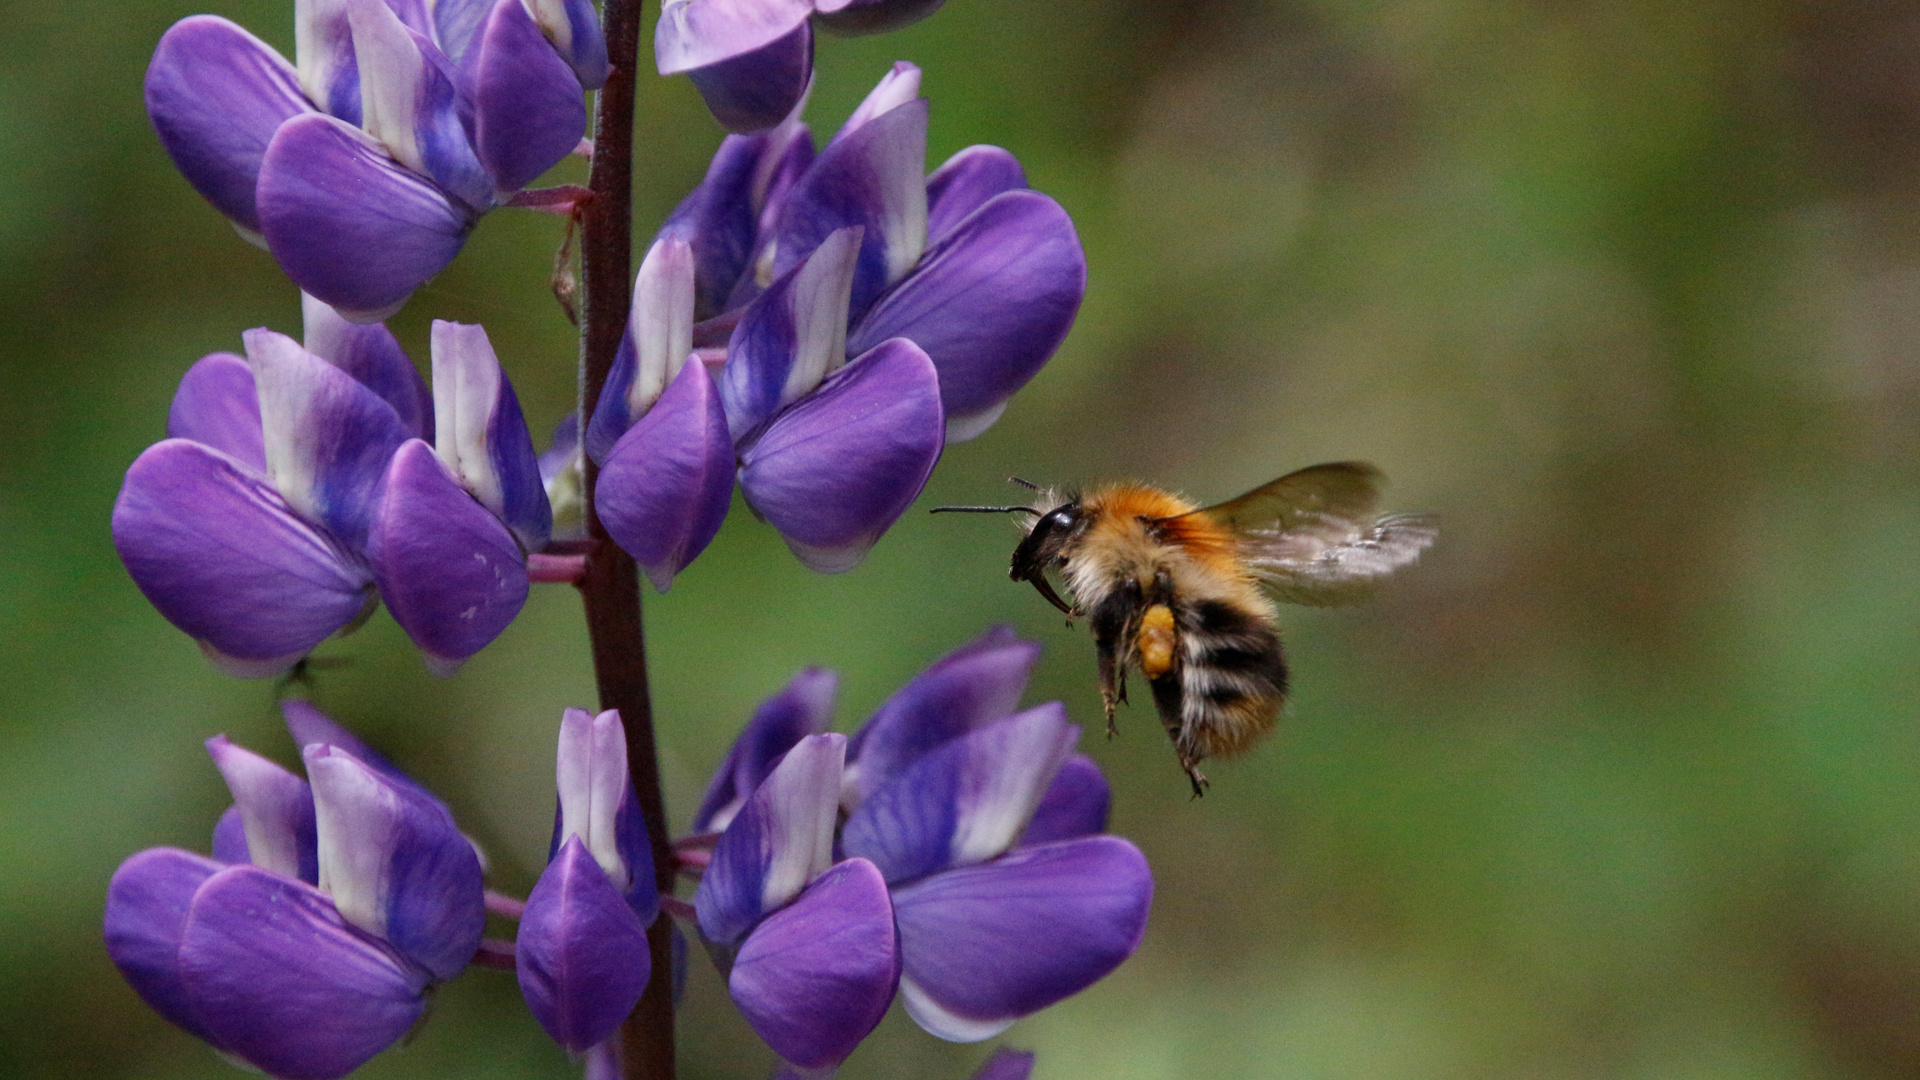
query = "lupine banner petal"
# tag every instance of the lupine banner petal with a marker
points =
(974, 685)
(898, 86)
(665, 488)
(1075, 804)
(308, 725)
(718, 219)
(280, 980)
(780, 840)
(965, 182)
(528, 112)
(581, 952)
(695, 33)
(217, 550)
(218, 406)
(573, 28)
(836, 469)
(757, 90)
(792, 336)
(657, 341)
(276, 811)
(323, 53)
(373, 356)
(395, 864)
(449, 571)
(409, 103)
(216, 94)
(348, 223)
(147, 904)
(802, 708)
(989, 303)
(817, 976)
(230, 837)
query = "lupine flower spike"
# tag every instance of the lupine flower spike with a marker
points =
(308, 943)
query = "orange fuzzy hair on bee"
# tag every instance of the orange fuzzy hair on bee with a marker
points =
(1123, 509)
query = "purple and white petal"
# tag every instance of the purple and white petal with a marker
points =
(791, 337)
(220, 554)
(986, 945)
(964, 802)
(665, 488)
(328, 438)
(1075, 804)
(972, 686)
(580, 952)
(856, 17)
(147, 904)
(873, 177)
(371, 354)
(323, 54)
(348, 223)
(450, 572)
(784, 163)
(989, 303)
(456, 23)
(757, 90)
(218, 406)
(964, 184)
(216, 94)
(308, 726)
(658, 340)
(528, 112)
(482, 434)
(697, 33)
(1007, 1064)
(719, 219)
(394, 863)
(230, 837)
(597, 805)
(572, 27)
(898, 86)
(408, 102)
(837, 468)
(276, 811)
(282, 982)
(816, 977)
(804, 707)
(781, 840)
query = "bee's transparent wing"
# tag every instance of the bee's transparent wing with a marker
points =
(1312, 535)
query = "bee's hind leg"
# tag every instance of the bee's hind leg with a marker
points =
(1194, 776)
(1113, 683)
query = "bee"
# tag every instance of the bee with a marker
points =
(1184, 594)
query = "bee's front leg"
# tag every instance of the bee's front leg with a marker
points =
(1113, 682)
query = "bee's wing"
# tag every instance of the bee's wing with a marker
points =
(1313, 536)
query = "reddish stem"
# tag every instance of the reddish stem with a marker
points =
(507, 907)
(495, 953)
(556, 569)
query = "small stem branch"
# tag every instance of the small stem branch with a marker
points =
(495, 953)
(610, 583)
(556, 569)
(507, 907)
(680, 909)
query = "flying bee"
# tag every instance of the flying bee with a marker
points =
(1181, 593)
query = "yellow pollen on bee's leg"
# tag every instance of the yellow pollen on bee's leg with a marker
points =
(1155, 641)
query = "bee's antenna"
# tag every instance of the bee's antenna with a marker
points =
(983, 510)
(1028, 484)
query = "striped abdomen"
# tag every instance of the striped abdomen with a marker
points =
(1225, 691)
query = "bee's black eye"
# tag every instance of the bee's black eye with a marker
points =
(1060, 520)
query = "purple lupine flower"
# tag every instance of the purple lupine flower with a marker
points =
(363, 165)
(807, 945)
(299, 483)
(581, 951)
(752, 60)
(313, 949)
(869, 314)
(985, 825)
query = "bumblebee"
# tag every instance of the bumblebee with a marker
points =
(1181, 593)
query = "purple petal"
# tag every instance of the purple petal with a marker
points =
(985, 945)
(972, 686)
(756, 90)
(572, 27)
(657, 341)
(448, 570)
(456, 23)
(372, 355)
(528, 114)
(667, 482)
(815, 978)
(898, 86)
(855, 17)
(218, 406)
(1007, 1064)
(219, 553)
(409, 103)
(230, 837)
(284, 983)
(781, 839)
(720, 218)
(965, 183)
(581, 952)
(989, 303)
(874, 177)
(697, 33)
(348, 223)
(597, 805)
(323, 52)
(835, 470)
(483, 436)
(327, 437)
(791, 337)
(782, 168)
(147, 905)
(803, 708)
(395, 864)
(216, 94)
(276, 811)
(964, 802)
(1075, 804)
(308, 726)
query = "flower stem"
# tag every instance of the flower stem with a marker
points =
(610, 583)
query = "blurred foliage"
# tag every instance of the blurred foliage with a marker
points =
(1624, 781)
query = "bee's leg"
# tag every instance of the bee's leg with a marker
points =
(1195, 776)
(1113, 682)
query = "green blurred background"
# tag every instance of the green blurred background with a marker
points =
(1622, 781)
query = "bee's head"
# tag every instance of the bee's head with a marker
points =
(1045, 544)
